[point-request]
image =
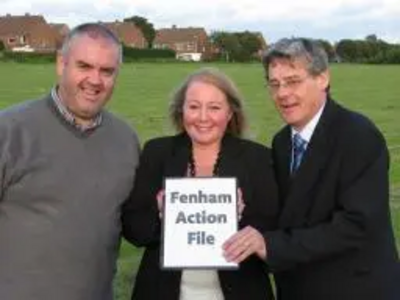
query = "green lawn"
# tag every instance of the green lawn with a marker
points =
(142, 97)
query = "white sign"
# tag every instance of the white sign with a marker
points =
(200, 214)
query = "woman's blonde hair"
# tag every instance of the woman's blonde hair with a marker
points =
(215, 77)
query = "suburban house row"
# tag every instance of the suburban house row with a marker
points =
(32, 33)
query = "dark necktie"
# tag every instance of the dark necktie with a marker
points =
(299, 147)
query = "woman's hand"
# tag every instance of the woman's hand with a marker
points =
(160, 202)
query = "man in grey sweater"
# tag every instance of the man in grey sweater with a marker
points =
(66, 166)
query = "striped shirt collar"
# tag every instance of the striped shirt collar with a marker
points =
(69, 117)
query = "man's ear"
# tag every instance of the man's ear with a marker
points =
(60, 63)
(324, 79)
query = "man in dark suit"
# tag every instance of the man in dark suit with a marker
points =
(335, 238)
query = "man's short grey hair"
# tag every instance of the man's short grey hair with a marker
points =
(294, 49)
(93, 30)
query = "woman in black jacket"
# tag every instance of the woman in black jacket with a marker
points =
(207, 112)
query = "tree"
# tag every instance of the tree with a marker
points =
(227, 44)
(372, 38)
(236, 46)
(347, 50)
(250, 44)
(330, 51)
(363, 51)
(146, 27)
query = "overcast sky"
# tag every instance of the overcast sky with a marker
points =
(332, 20)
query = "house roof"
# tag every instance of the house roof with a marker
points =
(29, 30)
(62, 29)
(18, 25)
(120, 28)
(128, 33)
(176, 35)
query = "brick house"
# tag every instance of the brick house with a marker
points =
(28, 33)
(128, 33)
(62, 29)
(189, 43)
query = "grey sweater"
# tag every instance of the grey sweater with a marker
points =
(60, 198)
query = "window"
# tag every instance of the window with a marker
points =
(180, 46)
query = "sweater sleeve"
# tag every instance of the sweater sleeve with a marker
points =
(4, 154)
(140, 219)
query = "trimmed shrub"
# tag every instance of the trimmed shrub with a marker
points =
(29, 57)
(130, 54)
(135, 54)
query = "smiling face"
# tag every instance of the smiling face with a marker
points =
(87, 74)
(206, 113)
(297, 95)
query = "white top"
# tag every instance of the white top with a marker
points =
(308, 130)
(200, 285)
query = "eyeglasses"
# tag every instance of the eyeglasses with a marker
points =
(291, 84)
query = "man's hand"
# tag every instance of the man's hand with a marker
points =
(244, 243)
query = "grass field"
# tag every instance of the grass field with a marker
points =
(142, 97)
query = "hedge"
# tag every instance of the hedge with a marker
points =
(29, 57)
(130, 54)
(134, 54)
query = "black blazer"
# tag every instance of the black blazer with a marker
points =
(335, 239)
(250, 163)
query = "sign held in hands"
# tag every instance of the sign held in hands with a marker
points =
(200, 214)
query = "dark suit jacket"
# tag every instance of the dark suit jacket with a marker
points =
(250, 163)
(335, 239)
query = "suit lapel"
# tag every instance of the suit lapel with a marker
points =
(282, 155)
(299, 198)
